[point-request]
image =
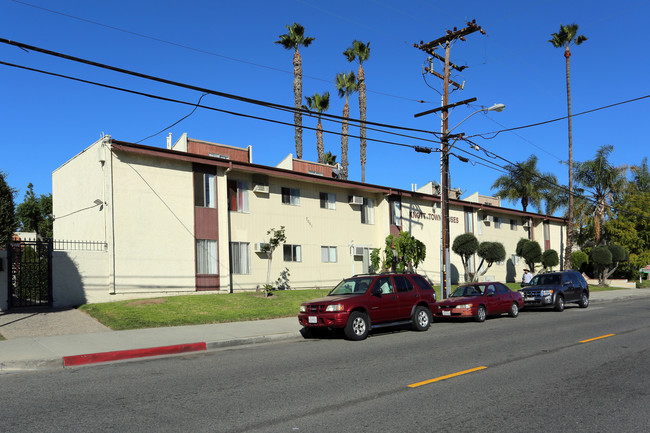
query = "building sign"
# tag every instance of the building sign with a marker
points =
(417, 215)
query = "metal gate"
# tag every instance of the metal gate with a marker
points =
(30, 273)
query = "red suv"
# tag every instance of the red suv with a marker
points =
(366, 302)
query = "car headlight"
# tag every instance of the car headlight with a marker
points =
(546, 292)
(303, 309)
(335, 307)
(464, 306)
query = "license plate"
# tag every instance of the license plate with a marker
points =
(446, 313)
(529, 299)
(313, 319)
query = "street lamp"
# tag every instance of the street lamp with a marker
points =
(444, 197)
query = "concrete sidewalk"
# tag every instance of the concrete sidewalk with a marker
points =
(40, 340)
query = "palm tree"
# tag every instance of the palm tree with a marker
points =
(526, 183)
(293, 40)
(346, 84)
(319, 103)
(329, 158)
(602, 182)
(360, 52)
(564, 38)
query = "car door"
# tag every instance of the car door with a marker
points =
(492, 299)
(382, 301)
(407, 296)
(569, 288)
(505, 297)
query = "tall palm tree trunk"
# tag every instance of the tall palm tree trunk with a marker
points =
(344, 139)
(320, 147)
(569, 241)
(362, 115)
(297, 94)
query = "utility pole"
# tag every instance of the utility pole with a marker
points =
(430, 47)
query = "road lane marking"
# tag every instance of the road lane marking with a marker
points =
(426, 382)
(597, 338)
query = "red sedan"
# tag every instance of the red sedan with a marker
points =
(479, 300)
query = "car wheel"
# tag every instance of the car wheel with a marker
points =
(559, 303)
(481, 313)
(421, 318)
(514, 310)
(584, 301)
(357, 327)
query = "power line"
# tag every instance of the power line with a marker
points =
(198, 50)
(234, 113)
(201, 89)
(555, 120)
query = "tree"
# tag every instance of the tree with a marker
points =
(550, 259)
(565, 38)
(329, 158)
(277, 237)
(489, 252)
(35, 214)
(603, 182)
(360, 52)
(578, 259)
(346, 84)
(293, 40)
(319, 103)
(8, 221)
(606, 259)
(465, 246)
(526, 183)
(401, 254)
(530, 251)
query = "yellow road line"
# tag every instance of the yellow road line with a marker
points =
(597, 338)
(471, 370)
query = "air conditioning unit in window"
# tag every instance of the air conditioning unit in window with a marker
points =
(488, 218)
(358, 251)
(259, 248)
(355, 199)
(264, 189)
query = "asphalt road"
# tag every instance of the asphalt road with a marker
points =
(537, 372)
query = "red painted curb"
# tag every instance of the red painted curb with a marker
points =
(92, 358)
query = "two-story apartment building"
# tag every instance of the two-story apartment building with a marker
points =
(193, 217)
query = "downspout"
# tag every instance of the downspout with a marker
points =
(230, 282)
(113, 283)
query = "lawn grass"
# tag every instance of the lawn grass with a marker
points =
(199, 309)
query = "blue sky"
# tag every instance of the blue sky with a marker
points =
(228, 47)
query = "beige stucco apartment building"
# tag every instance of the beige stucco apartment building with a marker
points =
(192, 217)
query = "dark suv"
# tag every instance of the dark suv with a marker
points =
(370, 301)
(556, 289)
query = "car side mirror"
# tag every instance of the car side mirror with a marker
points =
(376, 291)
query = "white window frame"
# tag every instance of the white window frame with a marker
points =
(293, 196)
(295, 253)
(469, 221)
(242, 196)
(327, 200)
(328, 254)
(206, 257)
(208, 190)
(368, 211)
(396, 212)
(241, 258)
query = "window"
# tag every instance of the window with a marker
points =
(327, 200)
(205, 190)
(547, 235)
(469, 221)
(515, 259)
(513, 224)
(403, 284)
(292, 253)
(396, 213)
(328, 254)
(421, 282)
(291, 196)
(368, 211)
(385, 285)
(240, 256)
(503, 290)
(479, 224)
(497, 222)
(238, 196)
(206, 257)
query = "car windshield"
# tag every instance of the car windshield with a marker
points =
(545, 280)
(462, 291)
(352, 286)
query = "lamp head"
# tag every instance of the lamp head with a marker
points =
(496, 107)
